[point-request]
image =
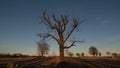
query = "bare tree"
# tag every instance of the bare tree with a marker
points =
(114, 55)
(61, 29)
(67, 52)
(78, 54)
(108, 53)
(82, 54)
(99, 53)
(43, 48)
(70, 54)
(93, 51)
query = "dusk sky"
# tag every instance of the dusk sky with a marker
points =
(19, 24)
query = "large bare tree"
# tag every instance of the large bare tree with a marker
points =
(61, 27)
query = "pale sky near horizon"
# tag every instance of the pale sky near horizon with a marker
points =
(19, 24)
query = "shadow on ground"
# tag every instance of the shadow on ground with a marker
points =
(70, 65)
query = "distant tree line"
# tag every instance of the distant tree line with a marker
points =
(92, 51)
(43, 49)
(5, 55)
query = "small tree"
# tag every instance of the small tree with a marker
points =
(114, 55)
(78, 54)
(108, 53)
(99, 53)
(43, 48)
(82, 54)
(70, 54)
(66, 52)
(93, 51)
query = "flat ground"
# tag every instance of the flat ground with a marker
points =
(86, 62)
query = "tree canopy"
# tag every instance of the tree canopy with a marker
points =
(93, 51)
(60, 28)
(43, 48)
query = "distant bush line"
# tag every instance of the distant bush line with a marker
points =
(17, 55)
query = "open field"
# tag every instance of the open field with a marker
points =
(86, 62)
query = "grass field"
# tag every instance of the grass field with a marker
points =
(74, 62)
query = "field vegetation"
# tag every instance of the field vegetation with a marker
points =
(53, 62)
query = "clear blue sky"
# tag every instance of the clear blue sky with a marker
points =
(19, 24)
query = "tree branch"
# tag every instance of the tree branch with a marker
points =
(46, 35)
(65, 21)
(76, 22)
(54, 38)
(55, 19)
(72, 44)
(46, 20)
(69, 34)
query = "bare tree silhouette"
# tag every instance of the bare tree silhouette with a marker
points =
(61, 29)
(67, 52)
(99, 53)
(43, 48)
(70, 54)
(82, 54)
(93, 51)
(114, 55)
(78, 54)
(108, 53)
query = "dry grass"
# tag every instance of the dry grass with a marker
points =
(7, 60)
(86, 62)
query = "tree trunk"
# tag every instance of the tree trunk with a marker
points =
(61, 53)
(61, 46)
